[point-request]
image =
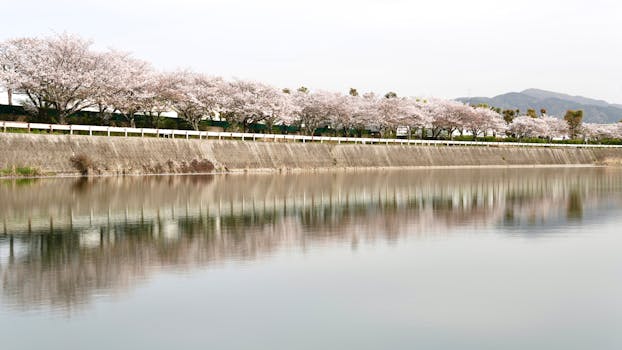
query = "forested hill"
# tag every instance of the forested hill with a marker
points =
(595, 111)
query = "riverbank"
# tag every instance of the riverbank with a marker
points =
(67, 155)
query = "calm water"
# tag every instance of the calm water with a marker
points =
(425, 259)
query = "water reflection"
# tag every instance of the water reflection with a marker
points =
(64, 241)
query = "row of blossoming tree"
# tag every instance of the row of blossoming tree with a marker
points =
(64, 74)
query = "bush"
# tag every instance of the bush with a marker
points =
(82, 163)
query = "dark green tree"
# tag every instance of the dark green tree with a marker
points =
(532, 113)
(508, 115)
(574, 120)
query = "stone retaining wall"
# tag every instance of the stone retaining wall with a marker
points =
(52, 154)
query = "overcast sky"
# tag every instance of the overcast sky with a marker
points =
(445, 48)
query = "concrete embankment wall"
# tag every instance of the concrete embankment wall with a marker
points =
(52, 154)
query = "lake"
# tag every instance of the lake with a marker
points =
(521, 258)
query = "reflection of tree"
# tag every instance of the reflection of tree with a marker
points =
(110, 234)
(575, 206)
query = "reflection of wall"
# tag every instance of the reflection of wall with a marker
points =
(110, 233)
(58, 204)
(133, 155)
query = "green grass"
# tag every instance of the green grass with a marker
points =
(23, 171)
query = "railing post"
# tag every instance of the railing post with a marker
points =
(142, 132)
(90, 131)
(70, 129)
(186, 135)
(125, 129)
(28, 128)
(4, 126)
(108, 130)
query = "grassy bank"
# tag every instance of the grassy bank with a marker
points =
(20, 171)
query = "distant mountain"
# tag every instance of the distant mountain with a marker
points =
(594, 111)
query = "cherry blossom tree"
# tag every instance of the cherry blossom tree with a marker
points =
(484, 120)
(526, 126)
(9, 78)
(20, 61)
(134, 89)
(196, 96)
(279, 108)
(599, 132)
(314, 109)
(393, 111)
(494, 123)
(59, 72)
(555, 128)
(159, 101)
(368, 112)
(470, 119)
(417, 116)
(112, 83)
(364, 110)
(447, 116)
(246, 102)
(346, 111)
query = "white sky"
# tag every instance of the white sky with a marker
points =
(445, 48)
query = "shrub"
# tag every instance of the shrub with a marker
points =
(20, 171)
(82, 163)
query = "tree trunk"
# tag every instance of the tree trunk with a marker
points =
(158, 119)
(474, 133)
(9, 93)
(62, 118)
(451, 134)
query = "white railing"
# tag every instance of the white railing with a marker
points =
(174, 133)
